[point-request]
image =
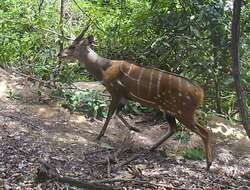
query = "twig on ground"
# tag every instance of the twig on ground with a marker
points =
(141, 182)
(132, 158)
(108, 167)
(47, 172)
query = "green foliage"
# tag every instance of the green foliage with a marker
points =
(163, 154)
(194, 154)
(90, 102)
(190, 38)
(25, 45)
(14, 96)
(183, 137)
(135, 108)
(106, 146)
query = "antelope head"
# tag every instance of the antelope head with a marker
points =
(79, 48)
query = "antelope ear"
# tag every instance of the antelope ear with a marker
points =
(91, 40)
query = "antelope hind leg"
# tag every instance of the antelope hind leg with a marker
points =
(127, 124)
(204, 135)
(207, 143)
(172, 129)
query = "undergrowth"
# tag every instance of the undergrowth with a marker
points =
(196, 153)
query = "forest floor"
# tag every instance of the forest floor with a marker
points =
(35, 130)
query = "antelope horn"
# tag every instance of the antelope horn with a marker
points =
(78, 38)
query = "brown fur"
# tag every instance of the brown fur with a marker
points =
(179, 97)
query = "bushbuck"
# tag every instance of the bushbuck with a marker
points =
(176, 96)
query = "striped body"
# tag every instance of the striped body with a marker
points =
(177, 96)
(156, 88)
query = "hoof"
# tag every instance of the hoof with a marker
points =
(208, 166)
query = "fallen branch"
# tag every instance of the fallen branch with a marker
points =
(132, 158)
(47, 172)
(141, 182)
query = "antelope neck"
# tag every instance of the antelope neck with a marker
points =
(95, 64)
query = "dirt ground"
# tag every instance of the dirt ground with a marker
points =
(35, 129)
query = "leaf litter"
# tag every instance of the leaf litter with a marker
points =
(34, 133)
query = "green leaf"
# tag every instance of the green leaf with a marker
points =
(194, 154)
(106, 146)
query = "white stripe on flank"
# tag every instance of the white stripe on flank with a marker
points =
(139, 80)
(169, 80)
(159, 83)
(179, 83)
(120, 83)
(130, 77)
(188, 84)
(121, 67)
(150, 82)
(127, 74)
(142, 99)
(169, 84)
(130, 68)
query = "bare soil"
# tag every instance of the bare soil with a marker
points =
(35, 129)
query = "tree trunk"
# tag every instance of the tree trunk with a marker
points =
(218, 98)
(60, 66)
(61, 25)
(236, 65)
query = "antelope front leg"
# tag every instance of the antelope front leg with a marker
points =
(121, 105)
(112, 108)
